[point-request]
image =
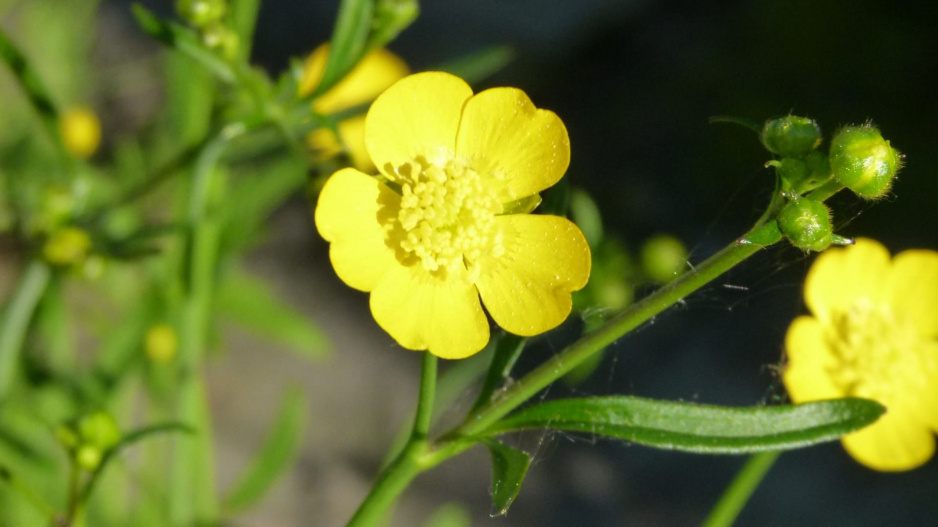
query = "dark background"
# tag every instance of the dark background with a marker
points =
(635, 82)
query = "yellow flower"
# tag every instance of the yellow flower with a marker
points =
(80, 130)
(441, 232)
(872, 334)
(374, 73)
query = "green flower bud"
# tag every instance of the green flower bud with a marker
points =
(99, 430)
(807, 224)
(200, 13)
(863, 161)
(663, 258)
(88, 457)
(222, 39)
(791, 135)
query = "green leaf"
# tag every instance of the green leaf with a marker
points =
(480, 65)
(696, 427)
(251, 304)
(349, 41)
(183, 40)
(275, 456)
(127, 440)
(509, 466)
(32, 85)
(243, 16)
(256, 195)
(507, 351)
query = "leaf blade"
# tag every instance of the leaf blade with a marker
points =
(698, 428)
(509, 466)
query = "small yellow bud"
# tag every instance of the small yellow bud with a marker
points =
(67, 246)
(161, 343)
(81, 131)
(88, 457)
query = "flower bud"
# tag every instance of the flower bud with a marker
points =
(67, 246)
(161, 343)
(200, 13)
(863, 161)
(99, 429)
(663, 258)
(807, 224)
(791, 135)
(81, 131)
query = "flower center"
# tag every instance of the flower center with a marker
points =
(447, 215)
(878, 353)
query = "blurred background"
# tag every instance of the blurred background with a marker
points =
(635, 83)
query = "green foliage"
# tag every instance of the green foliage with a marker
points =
(274, 457)
(698, 428)
(509, 466)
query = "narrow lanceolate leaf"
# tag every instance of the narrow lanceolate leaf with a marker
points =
(183, 40)
(509, 466)
(507, 351)
(275, 455)
(349, 41)
(31, 83)
(250, 303)
(130, 439)
(696, 427)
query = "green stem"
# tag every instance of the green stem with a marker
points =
(412, 460)
(16, 317)
(637, 314)
(192, 494)
(735, 496)
(28, 493)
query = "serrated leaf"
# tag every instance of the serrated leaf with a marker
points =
(509, 466)
(275, 455)
(250, 303)
(696, 427)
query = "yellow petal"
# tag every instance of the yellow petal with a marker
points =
(425, 312)
(841, 278)
(352, 131)
(502, 135)
(347, 217)
(914, 289)
(895, 442)
(527, 289)
(417, 116)
(374, 73)
(809, 360)
(918, 388)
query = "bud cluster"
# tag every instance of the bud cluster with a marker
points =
(859, 159)
(89, 438)
(208, 16)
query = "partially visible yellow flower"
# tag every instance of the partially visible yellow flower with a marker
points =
(872, 334)
(441, 232)
(374, 73)
(81, 131)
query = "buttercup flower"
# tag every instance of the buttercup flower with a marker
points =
(440, 229)
(872, 334)
(81, 131)
(374, 73)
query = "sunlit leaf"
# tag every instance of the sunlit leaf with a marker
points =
(696, 427)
